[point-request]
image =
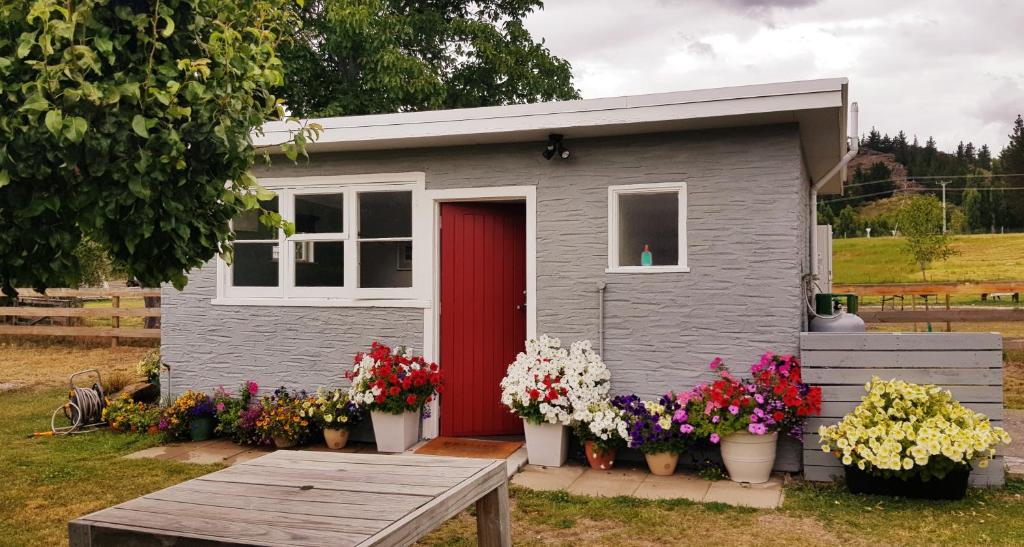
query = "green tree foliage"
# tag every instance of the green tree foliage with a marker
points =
(974, 211)
(1011, 160)
(866, 185)
(128, 123)
(377, 56)
(846, 223)
(920, 222)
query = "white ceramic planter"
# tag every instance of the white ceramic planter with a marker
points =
(395, 432)
(749, 458)
(546, 444)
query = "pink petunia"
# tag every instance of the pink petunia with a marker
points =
(734, 410)
(714, 438)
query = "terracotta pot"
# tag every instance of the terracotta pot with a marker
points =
(749, 458)
(597, 458)
(153, 430)
(662, 463)
(336, 438)
(284, 442)
(546, 444)
(395, 432)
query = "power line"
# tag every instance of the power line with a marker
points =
(913, 178)
(907, 190)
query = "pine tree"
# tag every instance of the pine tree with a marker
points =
(985, 157)
(974, 211)
(1011, 160)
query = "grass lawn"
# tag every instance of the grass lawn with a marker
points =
(882, 260)
(48, 481)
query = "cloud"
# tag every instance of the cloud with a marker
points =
(946, 68)
(703, 49)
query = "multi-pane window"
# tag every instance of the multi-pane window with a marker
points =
(647, 228)
(350, 242)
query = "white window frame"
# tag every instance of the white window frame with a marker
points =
(614, 192)
(287, 294)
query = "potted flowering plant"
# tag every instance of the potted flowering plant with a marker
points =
(603, 432)
(394, 386)
(659, 429)
(546, 386)
(336, 414)
(191, 415)
(911, 440)
(236, 416)
(746, 416)
(285, 417)
(124, 414)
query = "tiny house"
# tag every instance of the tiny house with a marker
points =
(668, 229)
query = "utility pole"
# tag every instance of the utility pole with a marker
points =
(944, 183)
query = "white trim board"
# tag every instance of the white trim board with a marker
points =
(431, 320)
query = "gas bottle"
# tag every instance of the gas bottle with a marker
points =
(830, 315)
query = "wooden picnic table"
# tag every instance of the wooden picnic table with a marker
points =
(311, 498)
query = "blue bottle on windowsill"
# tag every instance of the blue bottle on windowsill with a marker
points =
(646, 258)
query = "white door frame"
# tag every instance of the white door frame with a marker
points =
(430, 215)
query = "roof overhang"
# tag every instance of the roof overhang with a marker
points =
(818, 106)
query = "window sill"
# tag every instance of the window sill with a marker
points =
(321, 302)
(647, 269)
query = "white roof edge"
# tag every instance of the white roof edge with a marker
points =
(639, 109)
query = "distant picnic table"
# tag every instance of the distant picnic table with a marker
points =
(311, 498)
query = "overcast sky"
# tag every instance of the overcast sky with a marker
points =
(953, 69)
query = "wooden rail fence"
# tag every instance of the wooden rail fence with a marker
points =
(935, 312)
(115, 313)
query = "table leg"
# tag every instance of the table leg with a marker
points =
(493, 526)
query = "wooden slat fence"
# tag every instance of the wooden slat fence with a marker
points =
(968, 364)
(937, 311)
(115, 313)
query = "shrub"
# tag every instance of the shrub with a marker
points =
(656, 426)
(124, 414)
(334, 410)
(604, 425)
(115, 381)
(237, 416)
(189, 406)
(149, 366)
(549, 383)
(393, 381)
(286, 416)
(908, 430)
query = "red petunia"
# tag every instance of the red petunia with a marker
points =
(410, 400)
(394, 391)
(534, 394)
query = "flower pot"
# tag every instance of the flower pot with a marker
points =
(200, 428)
(395, 432)
(662, 463)
(951, 487)
(284, 442)
(546, 444)
(599, 459)
(336, 438)
(749, 458)
(153, 430)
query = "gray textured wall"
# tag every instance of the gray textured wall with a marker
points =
(747, 251)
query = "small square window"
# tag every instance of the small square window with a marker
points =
(647, 228)
(255, 265)
(247, 226)
(385, 264)
(385, 215)
(319, 263)
(319, 213)
(649, 223)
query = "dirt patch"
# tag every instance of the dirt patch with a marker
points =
(10, 386)
(46, 364)
(814, 532)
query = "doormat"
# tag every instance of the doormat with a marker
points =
(460, 447)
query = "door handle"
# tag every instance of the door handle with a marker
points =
(521, 307)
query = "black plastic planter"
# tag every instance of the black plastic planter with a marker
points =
(951, 487)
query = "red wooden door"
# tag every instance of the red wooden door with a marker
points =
(483, 313)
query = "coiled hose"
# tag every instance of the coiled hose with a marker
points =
(84, 409)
